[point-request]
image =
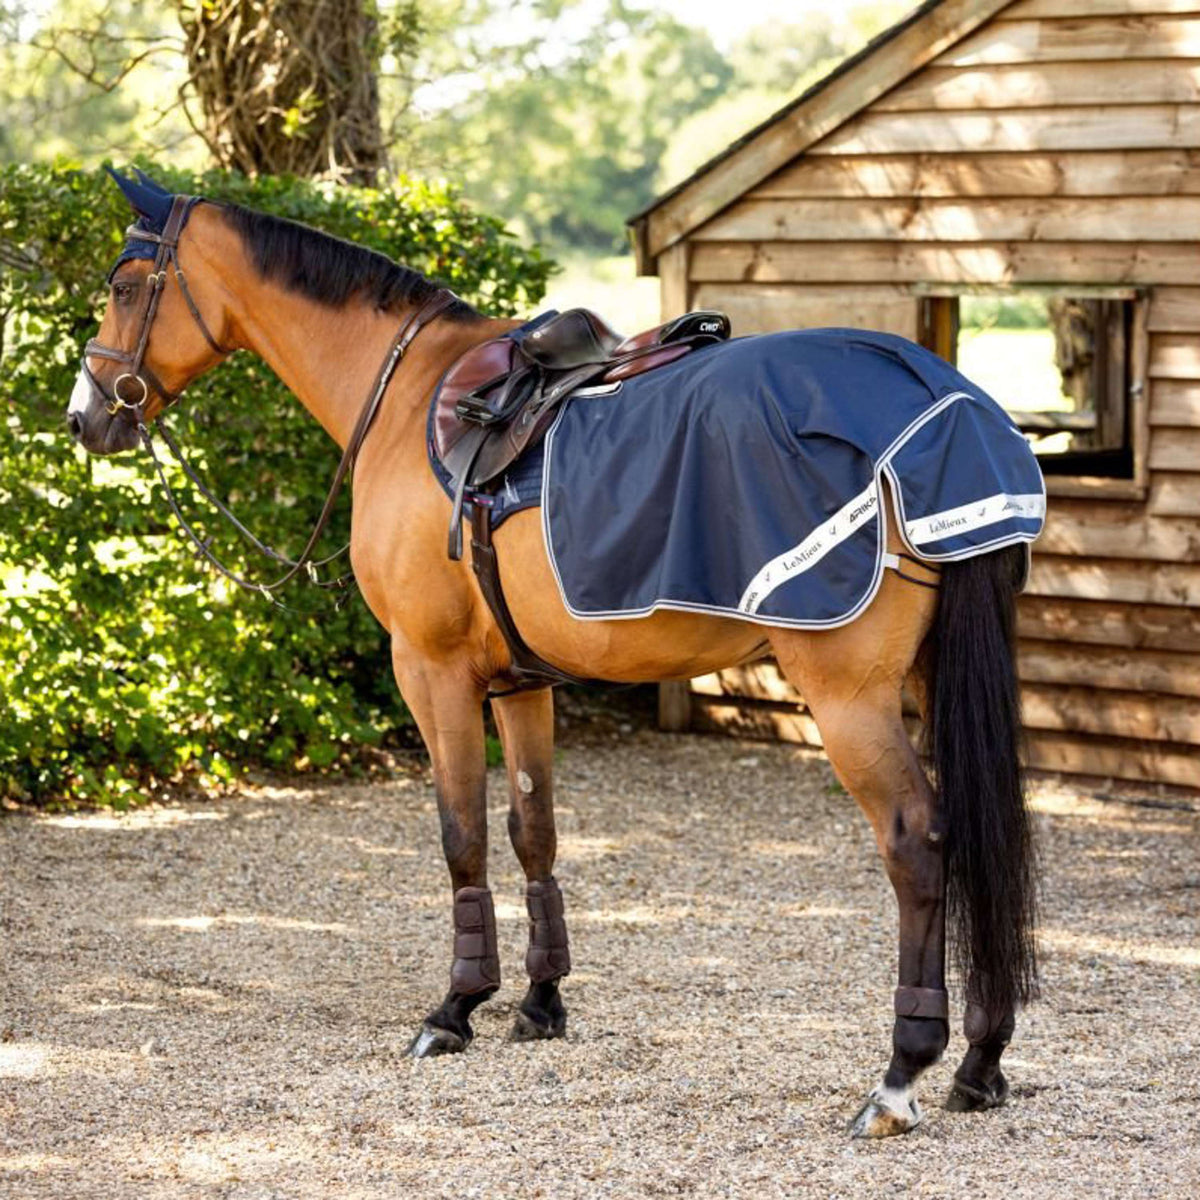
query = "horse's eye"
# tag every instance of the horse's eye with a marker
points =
(122, 292)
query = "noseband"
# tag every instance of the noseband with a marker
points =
(167, 255)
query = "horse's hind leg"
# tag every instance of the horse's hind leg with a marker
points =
(979, 1083)
(526, 725)
(448, 706)
(851, 679)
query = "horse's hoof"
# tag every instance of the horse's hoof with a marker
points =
(526, 1029)
(887, 1112)
(972, 1097)
(432, 1041)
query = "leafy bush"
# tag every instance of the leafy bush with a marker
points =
(122, 661)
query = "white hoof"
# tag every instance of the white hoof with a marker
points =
(887, 1112)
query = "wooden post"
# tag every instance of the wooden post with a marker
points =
(674, 699)
(675, 707)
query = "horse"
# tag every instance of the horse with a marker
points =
(324, 314)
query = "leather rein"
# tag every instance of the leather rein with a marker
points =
(166, 256)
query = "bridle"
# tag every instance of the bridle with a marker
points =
(167, 255)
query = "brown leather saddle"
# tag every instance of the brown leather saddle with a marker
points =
(501, 398)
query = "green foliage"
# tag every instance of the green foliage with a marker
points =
(1019, 311)
(82, 77)
(561, 109)
(122, 661)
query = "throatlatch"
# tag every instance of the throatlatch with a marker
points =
(476, 965)
(549, 954)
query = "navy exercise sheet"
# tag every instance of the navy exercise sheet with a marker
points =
(745, 479)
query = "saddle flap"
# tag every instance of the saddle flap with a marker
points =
(480, 367)
(647, 362)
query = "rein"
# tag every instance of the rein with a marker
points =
(167, 256)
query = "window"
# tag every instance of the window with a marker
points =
(1061, 363)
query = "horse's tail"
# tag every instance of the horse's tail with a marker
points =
(973, 729)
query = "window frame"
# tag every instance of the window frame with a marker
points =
(938, 329)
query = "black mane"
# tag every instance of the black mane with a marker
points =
(327, 269)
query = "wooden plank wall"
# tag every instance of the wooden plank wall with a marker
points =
(1057, 145)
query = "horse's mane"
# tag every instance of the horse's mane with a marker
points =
(327, 269)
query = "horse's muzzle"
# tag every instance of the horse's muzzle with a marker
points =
(101, 434)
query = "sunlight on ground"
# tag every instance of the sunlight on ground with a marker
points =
(33, 1164)
(204, 924)
(817, 911)
(367, 847)
(637, 914)
(584, 849)
(23, 1060)
(137, 819)
(1135, 951)
(785, 849)
(1108, 813)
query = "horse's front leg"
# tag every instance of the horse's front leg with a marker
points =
(447, 703)
(526, 725)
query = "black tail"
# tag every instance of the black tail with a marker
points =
(974, 738)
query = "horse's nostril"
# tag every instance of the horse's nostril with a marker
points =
(75, 425)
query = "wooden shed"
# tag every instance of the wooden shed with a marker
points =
(983, 147)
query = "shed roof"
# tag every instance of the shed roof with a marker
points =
(852, 86)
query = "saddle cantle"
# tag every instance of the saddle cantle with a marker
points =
(500, 397)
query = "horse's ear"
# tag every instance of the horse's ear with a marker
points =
(147, 199)
(148, 182)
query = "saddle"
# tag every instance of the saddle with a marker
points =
(501, 397)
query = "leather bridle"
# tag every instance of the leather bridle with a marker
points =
(167, 255)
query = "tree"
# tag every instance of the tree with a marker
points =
(287, 86)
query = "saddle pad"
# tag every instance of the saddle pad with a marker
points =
(744, 480)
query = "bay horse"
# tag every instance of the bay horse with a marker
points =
(323, 314)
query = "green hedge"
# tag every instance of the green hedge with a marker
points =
(123, 662)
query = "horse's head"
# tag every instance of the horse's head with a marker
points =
(160, 328)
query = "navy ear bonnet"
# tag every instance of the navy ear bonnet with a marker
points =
(152, 204)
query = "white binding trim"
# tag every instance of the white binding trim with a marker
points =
(952, 522)
(830, 533)
(598, 389)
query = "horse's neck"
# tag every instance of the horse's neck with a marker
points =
(328, 358)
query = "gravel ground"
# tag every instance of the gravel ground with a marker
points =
(212, 999)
